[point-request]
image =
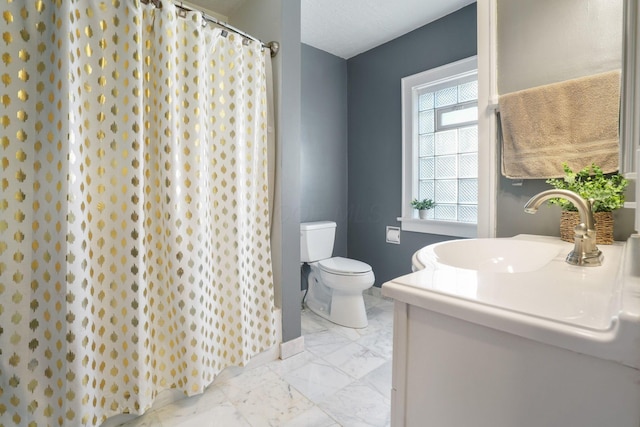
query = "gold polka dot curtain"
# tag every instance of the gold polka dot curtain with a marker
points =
(134, 216)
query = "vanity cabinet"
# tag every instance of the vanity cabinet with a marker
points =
(449, 372)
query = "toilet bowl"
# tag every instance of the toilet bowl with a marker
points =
(335, 283)
(335, 290)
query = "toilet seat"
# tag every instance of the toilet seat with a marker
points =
(344, 266)
(345, 275)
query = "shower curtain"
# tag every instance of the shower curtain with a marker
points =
(134, 216)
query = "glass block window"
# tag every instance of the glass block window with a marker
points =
(440, 149)
(447, 154)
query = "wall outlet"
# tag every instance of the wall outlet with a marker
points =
(393, 235)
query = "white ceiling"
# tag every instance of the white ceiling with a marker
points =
(346, 28)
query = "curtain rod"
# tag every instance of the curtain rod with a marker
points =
(273, 46)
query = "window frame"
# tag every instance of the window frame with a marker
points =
(411, 86)
(441, 111)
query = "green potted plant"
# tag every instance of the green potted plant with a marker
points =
(607, 191)
(423, 206)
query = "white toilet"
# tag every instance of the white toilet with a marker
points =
(335, 284)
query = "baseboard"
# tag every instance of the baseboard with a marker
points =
(291, 347)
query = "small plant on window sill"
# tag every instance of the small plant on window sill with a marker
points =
(423, 206)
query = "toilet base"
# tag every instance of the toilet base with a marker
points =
(337, 300)
(348, 310)
(345, 310)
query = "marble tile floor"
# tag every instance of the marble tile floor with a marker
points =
(343, 378)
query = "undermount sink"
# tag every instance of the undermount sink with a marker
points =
(491, 255)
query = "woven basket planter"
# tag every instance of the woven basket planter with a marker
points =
(604, 226)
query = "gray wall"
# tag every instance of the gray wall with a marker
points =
(279, 20)
(323, 151)
(375, 136)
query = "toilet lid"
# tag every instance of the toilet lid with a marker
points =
(339, 265)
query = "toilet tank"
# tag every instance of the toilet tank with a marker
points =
(316, 240)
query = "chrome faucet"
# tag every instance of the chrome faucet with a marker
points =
(585, 251)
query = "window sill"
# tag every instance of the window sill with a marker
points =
(444, 228)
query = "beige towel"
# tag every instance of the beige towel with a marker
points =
(575, 121)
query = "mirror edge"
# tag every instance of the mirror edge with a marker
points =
(630, 90)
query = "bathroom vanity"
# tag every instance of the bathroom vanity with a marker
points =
(504, 333)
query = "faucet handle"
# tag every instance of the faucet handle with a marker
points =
(580, 230)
